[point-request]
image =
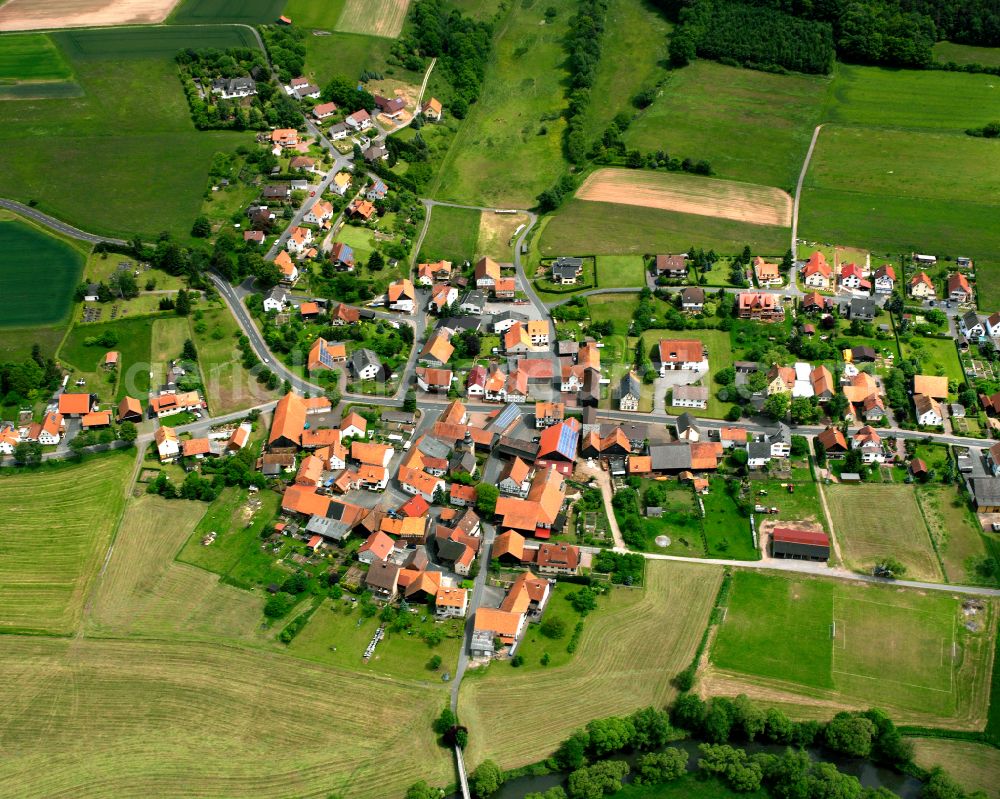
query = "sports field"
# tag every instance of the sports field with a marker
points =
(16, 15)
(248, 12)
(631, 647)
(688, 194)
(57, 526)
(853, 644)
(749, 125)
(144, 592)
(27, 251)
(452, 235)
(111, 718)
(875, 521)
(509, 148)
(974, 765)
(615, 229)
(373, 17)
(31, 57)
(125, 157)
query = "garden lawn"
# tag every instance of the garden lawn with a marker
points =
(631, 647)
(911, 99)
(58, 523)
(134, 336)
(727, 531)
(720, 356)
(123, 158)
(938, 356)
(807, 642)
(751, 126)
(875, 521)
(28, 251)
(621, 271)
(509, 148)
(801, 505)
(337, 635)
(599, 228)
(168, 337)
(451, 235)
(619, 308)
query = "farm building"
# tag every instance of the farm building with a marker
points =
(788, 542)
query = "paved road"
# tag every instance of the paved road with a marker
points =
(489, 533)
(798, 194)
(55, 224)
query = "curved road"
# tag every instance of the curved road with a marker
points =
(60, 227)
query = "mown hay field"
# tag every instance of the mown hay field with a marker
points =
(631, 648)
(24, 299)
(108, 719)
(58, 522)
(956, 531)
(451, 235)
(816, 646)
(975, 766)
(689, 194)
(373, 17)
(145, 592)
(599, 228)
(877, 521)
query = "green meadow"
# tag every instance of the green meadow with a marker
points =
(125, 157)
(452, 235)
(966, 54)
(38, 273)
(751, 126)
(247, 12)
(598, 228)
(509, 148)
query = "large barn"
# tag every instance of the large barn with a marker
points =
(787, 542)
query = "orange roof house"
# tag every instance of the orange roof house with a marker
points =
(817, 264)
(509, 546)
(324, 354)
(361, 208)
(111, 359)
(285, 137)
(196, 446)
(438, 348)
(931, 385)
(354, 420)
(455, 413)
(833, 440)
(96, 419)
(129, 408)
(501, 623)
(487, 270)
(304, 500)
(374, 454)
(285, 264)
(289, 421)
(74, 404)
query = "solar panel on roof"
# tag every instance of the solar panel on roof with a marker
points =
(506, 416)
(568, 437)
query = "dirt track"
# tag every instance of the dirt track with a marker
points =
(23, 15)
(688, 194)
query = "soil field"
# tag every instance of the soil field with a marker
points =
(57, 525)
(882, 520)
(687, 194)
(928, 667)
(109, 719)
(373, 17)
(24, 299)
(631, 647)
(22, 15)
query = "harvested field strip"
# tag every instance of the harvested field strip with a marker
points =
(19, 15)
(688, 194)
(108, 719)
(57, 524)
(373, 17)
(144, 591)
(631, 647)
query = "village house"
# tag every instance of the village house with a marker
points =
(366, 365)
(342, 256)
(285, 137)
(629, 392)
(319, 213)
(515, 479)
(566, 271)
(548, 414)
(922, 287)
(693, 299)
(493, 624)
(359, 120)
(401, 296)
(391, 107)
(868, 441)
(958, 288)
(928, 410)
(437, 272)
(434, 380)
(780, 380)
(767, 274)
(382, 580)
(234, 88)
(689, 397)
(557, 558)
(862, 308)
(851, 276)
(324, 110)
(129, 410)
(475, 382)
(299, 240)
(759, 307)
(971, 326)
(833, 442)
(689, 354)
(169, 404)
(431, 110)
(487, 273)
(441, 297)
(817, 273)
(451, 603)
(325, 355)
(75, 405)
(885, 279)
(286, 266)
(438, 349)
(167, 444)
(361, 209)
(673, 267)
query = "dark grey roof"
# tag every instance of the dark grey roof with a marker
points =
(362, 358)
(686, 421)
(970, 319)
(782, 433)
(986, 490)
(670, 456)
(338, 128)
(865, 307)
(634, 431)
(693, 294)
(506, 315)
(746, 366)
(462, 462)
(433, 448)
(397, 416)
(505, 418)
(576, 263)
(567, 267)
(629, 385)
(461, 323)
(759, 449)
(328, 528)
(474, 297)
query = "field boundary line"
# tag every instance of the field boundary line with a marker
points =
(898, 607)
(881, 678)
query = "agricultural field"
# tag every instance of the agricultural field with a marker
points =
(910, 99)
(58, 523)
(131, 134)
(974, 765)
(42, 14)
(928, 668)
(110, 718)
(899, 191)
(632, 59)
(751, 126)
(316, 16)
(379, 18)
(24, 299)
(247, 12)
(134, 336)
(144, 592)
(631, 647)
(31, 57)
(451, 234)
(874, 521)
(955, 530)
(613, 229)
(228, 386)
(966, 54)
(509, 148)
(689, 194)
